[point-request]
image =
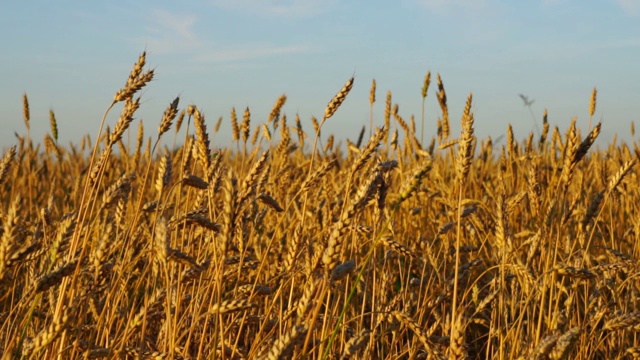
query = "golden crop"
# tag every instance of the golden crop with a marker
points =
(285, 247)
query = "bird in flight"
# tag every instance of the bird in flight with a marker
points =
(526, 100)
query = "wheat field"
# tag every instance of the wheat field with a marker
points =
(283, 246)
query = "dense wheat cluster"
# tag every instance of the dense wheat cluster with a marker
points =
(284, 246)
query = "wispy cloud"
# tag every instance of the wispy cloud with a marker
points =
(466, 6)
(170, 32)
(560, 53)
(478, 21)
(633, 42)
(630, 7)
(278, 8)
(250, 52)
(552, 2)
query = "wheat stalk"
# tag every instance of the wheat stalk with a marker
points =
(338, 99)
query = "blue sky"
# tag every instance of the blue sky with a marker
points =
(73, 55)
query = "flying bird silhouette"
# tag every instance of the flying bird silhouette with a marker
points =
(526, 100)
(528, 103)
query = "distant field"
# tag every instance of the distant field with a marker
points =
(401, 245)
